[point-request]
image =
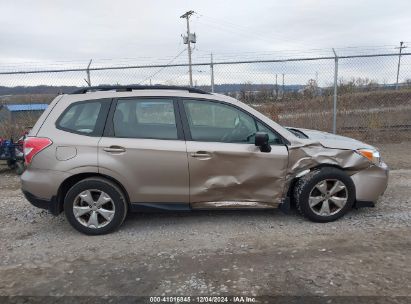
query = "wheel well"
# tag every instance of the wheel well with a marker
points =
(72, 180)
(320, 166)
(294, 180)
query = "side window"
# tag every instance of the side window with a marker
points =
(274, 139)
(213, 121)
(83, 118)
(145, 118)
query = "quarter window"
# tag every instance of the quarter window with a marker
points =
(81, 118)
(145, 118)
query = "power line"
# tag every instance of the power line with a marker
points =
(245, 31)
(161, 69)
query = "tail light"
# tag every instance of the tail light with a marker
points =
(33, 145)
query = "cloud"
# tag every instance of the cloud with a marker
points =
(47, 31)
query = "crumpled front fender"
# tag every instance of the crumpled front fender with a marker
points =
(306, 157)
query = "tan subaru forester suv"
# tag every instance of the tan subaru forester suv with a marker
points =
(103, 151)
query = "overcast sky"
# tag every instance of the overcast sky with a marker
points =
(79, 30)
(46, 34)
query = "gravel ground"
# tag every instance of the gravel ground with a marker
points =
(251, 253)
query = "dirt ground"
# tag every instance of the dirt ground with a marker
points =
(367, 253)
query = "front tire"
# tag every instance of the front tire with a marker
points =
(95, 206)
(324, 195)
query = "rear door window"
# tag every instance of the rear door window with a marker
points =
(145, 118)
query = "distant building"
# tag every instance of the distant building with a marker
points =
(22, 114)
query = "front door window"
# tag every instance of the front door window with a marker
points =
(217, 122)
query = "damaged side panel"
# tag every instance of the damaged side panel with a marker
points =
(226, 175)
(240, 176)
(303, 157)
(234, 205)
(308, 156)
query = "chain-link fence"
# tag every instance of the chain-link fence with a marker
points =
(365, 96)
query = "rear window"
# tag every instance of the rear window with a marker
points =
(84, 118)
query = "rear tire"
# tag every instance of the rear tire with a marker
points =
(324, 195)
(19, 169)
(95, 206)
(11, 164)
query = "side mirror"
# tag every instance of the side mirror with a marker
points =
(261, 140)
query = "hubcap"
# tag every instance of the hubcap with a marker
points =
(328, 197)
(93, 208)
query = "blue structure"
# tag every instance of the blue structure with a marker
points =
(26, 107)
(21, 113)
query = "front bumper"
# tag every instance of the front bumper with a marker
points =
(371, 183)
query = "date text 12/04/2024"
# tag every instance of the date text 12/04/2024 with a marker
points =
(203, 299)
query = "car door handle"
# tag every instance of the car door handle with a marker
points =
(201, 154)
(115, 149)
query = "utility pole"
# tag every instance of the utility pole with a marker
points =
(276, 87)
(212, 73)
(190, 38)
(282, 95)
(335, 92)
(402, 46)
(88, 80)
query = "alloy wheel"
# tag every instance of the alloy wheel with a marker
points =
(328, 197)
(93, 208)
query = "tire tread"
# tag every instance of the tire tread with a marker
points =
(303, 183)
(107, 229)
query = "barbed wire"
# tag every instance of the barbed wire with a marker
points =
(295, 90)
(199, 55)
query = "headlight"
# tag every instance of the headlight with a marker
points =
(371, 155)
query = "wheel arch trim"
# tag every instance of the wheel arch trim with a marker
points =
(73, 179)
(290, 186)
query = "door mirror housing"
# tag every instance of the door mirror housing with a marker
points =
(261, 140)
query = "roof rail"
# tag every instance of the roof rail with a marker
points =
(129, 88)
